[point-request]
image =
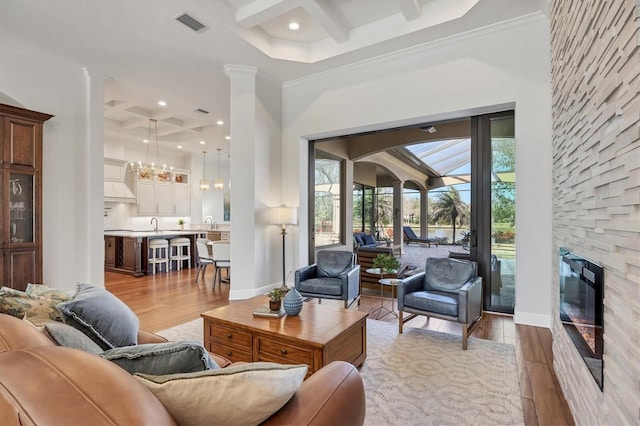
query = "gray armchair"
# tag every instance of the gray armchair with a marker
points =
(334, 276)
(448, 289)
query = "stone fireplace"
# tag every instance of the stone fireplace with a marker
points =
(596, 193)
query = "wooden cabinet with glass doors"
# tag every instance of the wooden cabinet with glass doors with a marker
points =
(21, 196)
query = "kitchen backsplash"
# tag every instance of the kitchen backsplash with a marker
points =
(118, 216)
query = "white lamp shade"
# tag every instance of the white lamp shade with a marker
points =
(284, 215)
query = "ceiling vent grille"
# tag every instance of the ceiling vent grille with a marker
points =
(191, 22)
(201, 111)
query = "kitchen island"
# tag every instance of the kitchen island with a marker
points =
(127, 251)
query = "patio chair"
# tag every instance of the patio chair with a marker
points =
(411, 237)
(448, 289)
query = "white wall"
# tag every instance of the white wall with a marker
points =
(51, 87)
(504, 65)
(256, 117)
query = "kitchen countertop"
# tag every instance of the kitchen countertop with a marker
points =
(151, 234)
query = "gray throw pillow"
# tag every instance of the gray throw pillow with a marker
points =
(66, 335)
(101, 316)
(159, 359)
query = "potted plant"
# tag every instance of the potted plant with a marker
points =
(181, 223)
(275, 299)
(387, 263)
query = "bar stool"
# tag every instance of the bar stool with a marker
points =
(159, 253)
(180, 254)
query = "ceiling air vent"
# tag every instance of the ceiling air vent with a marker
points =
(201, 111)
(191, 22)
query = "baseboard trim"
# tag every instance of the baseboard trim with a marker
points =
(536, 320)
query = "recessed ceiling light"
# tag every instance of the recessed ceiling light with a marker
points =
(201, 142)
(219, 122)
(145, 140)
(294, 26)
(227, 138)
(179, 147)
(162, 103)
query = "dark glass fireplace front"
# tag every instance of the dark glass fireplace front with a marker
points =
(581, 308)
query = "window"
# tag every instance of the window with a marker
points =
(328, 172)
(363, 206)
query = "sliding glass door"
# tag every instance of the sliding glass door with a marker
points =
(328, 215)
(363, 208)
(493, 196)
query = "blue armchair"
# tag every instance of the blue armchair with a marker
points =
(334, 276)
(448, 289)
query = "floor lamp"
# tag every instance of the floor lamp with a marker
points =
(284, 216)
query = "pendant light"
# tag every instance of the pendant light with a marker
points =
(151, 169)
(204, 183)
(217, 183)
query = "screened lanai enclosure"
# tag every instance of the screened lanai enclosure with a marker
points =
(452, 181)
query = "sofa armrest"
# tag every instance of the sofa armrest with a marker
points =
(149, 337)
(470, 300)
(19, 334)
(63, 386)
(334, 395)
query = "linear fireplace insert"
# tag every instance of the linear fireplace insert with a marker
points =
(581, 308)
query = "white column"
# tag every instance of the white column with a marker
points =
(348, 203)
(424, 213)
(93, 200)
(243, 215)
(398, 185)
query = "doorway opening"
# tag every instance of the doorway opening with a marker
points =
(456, 185)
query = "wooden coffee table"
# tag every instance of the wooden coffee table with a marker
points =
(319, 335)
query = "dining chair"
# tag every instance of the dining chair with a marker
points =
(204, 256)
(221, 256)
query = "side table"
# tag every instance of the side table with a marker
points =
(385, 281)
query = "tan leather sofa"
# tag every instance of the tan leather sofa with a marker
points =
(42, 383)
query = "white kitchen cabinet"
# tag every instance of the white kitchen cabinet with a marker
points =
(146, 195)
(164, 201)
(163, 198)
(181, 199)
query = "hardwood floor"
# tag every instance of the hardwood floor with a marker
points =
(168, 299)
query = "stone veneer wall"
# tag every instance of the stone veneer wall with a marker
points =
(596, 192)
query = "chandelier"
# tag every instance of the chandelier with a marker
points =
(152, 169)
(217, 183)
(204, 183)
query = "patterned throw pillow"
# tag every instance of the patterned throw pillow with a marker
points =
(51, 293)
(12, 302)
(241, 395)
(38, 310)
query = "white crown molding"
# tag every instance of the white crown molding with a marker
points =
(421, 48)
(230, 69)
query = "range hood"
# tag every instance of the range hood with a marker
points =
(115, 188)
(118, 192)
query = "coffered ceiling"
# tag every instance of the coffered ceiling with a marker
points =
(147, 55)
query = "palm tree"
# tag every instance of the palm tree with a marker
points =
(447, 208)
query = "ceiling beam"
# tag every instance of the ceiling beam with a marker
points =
(260, 11)
(328, 19)
(411, 9)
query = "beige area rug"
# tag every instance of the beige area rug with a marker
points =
(423, 377)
